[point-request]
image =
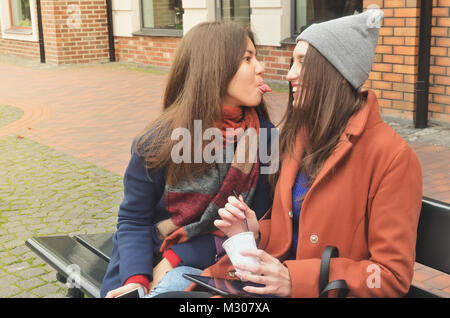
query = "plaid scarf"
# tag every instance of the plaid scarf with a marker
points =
(194, 204)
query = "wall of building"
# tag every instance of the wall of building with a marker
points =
(29, 49)
(131, 46)
(395, 68)
(276, 60)
(155, 51)
(393, 75)
(270, 21)
(394, 72)
(439, 98)
(75, 31)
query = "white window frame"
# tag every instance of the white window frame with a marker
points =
(10, 33)
(156, 31)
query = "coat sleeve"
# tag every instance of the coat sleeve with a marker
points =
(198, 252)
(393, 211)
(135, 232)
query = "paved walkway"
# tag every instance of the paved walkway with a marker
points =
(66, 144)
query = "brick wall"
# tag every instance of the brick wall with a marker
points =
(159, 52)
(276, 61)
(71, 40)
(156, 51)
(394, 72)
(395, 68)
(20, 48)
(439, 98)
(393, 76)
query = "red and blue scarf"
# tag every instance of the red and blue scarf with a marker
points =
(194, 204)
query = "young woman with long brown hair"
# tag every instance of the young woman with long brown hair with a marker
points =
(166, 217)
(347, 179)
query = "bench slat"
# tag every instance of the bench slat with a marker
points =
(100, 244)
(62, 251)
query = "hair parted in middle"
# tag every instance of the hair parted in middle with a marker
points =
(207, 58)
(325, 102)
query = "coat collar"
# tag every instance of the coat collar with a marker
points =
(358, 121)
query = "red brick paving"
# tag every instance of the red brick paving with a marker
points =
(90, 113)
(435, 163)
(94, 112)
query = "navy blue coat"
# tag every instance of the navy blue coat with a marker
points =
(136, 244)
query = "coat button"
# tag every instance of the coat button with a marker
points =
(291, 214)
(314, 239)
(232, 274)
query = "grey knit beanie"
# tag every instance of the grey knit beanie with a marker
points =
(348, 43)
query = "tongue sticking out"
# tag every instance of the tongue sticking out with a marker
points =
(264, 88)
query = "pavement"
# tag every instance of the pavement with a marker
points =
(65, 137)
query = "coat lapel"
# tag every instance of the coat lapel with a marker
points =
(281, 225)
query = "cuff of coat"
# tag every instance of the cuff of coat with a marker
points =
(172, 257)
(139, 279)
(305, 275)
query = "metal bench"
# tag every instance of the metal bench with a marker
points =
(433, 241)
(91, 253)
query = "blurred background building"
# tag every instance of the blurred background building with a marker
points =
(411, 73)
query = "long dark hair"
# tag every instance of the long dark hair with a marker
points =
(324, 104)
(207, 59)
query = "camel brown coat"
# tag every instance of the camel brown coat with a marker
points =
(366, 201)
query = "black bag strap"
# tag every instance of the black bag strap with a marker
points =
(335, 284)
(324, 285)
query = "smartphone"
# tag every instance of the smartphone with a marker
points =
(134, 293)
(224, 287)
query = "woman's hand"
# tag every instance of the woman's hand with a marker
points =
(233, 215)
(270, 272)
(158, 273)
(124, 289)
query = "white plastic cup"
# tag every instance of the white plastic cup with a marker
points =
(236, 244)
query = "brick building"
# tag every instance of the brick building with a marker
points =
(72, 31)
(148, 32)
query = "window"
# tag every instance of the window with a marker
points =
(307, 12)
(20, 13)
(236, 10)
(162, 14)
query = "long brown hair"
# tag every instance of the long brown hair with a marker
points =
(325, 102)
(207, 59)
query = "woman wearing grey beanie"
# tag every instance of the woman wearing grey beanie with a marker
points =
(347, 179)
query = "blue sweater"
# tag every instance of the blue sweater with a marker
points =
(136, 244)
(298, 190)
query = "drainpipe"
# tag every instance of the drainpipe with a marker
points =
(40, 30)
(112, 50)
(423, 78)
